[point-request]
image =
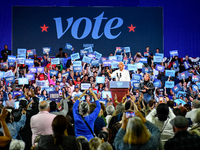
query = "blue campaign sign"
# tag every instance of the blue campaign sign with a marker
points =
(91, 55)
(86, 59)
(8, 73)
(176, 88)
(195, 78)
(107, 63)
(40, 69)
(46, 50)
(198, 84)
(135, 84)
(3, 65)
(54, 96)
(53, 72)
(33, 70)
(30, 76)
(180, 101)
(114, 64)
(77, 63)
(11, 58)
(66, 74)
(2, 74)
(139, 65)
(159, 54)
(119, 49)
(170, 73)
(20, 60)
(182, 75)
(95, 63)
(97, 54)
(146, 69)
(160, 68)
(143, 60)
(169, 84)
(15, 93)
(77, 68)
(146, 54)
(127, 49)
(157, 59)
(84, 52)
(89, 49)
(85, 86)
(132, 67)
(180, 93)
(68, 46)
(157, 83)
(21, 51)
(61, 60)
(29, 62)
(175, 64)
(194, 88)
(10, 79)
(22, 81)
(88, 45)
(112, 57)
(119, 57)
(173, 53)
(31, 52)
(105, 93)
(11, 64)
(186, 65)
(136, 77)
(55, 61)
(100, 80)
(40, 83)
(75, 56)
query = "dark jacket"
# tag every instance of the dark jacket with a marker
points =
(149, 85)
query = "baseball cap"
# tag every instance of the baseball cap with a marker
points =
(180, 122)
(76, 86)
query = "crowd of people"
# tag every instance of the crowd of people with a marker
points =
(150, 116)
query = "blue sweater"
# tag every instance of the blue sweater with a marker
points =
(81, 128)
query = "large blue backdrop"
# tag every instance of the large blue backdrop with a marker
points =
(180, 19)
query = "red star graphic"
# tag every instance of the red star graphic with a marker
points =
(44, 28)
(131, 28)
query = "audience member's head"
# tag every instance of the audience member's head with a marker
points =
(136, 132)
(94, 143)
(170, 104)
(197, 118)
(53, 106)
(105, 146)
(44, 106)
(119, 109)
(59, 125)
(83, 108)
(196, 103)
(162, 111)
(179, 123)
(188, 107)
(103, 135)
(110, 109)
(17, 145)
(83, 142)
(152, 102)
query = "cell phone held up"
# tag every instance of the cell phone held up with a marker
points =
(129, 114)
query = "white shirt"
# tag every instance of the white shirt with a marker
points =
(192, 114)
(123, 75)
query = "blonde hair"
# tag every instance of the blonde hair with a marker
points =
(94, 143)
(136, 132)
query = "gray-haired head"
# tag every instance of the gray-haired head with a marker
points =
(17, 145)
(105, 146)
(197, 118)
(110, 109)
(43, 106)
(196, 103)
(83, 108)
(120, 108)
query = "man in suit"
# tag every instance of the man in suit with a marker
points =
(5, 53)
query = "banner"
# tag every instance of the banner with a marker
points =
(10, 79)
(95, 63)
(21, 51)
(32, 70)
(114, 64)
(119, 57)
(46, 50)
(75, 56)
(20, 60)
(22, 81)
(77, 68)
(143, 60)
(127, 49)
(68, 46)
(53, 72)
(89, 49)
(195, 78)
(170, 73)
(186, 65)
(85, 86)
(157, 59)
(173, 53)
(169, 84)
(160, 68)
(105, 93)
(77, 63)
(135, 84)
(15, 93)
(2, 74)
(107, 63)
(31, 52)
(30, 76)
(11, 58)
(55, 61)
(146, 70)
(84, 52)
(91, 55)
(40, 69)
(86, 59)
(54, 96)
(112, 57)
(8, 73)
(136, 77)
(66, 74)
(157, 83)
(100, 80)
(97, 54)
(40, 83)
(29, 62)
(132, 67)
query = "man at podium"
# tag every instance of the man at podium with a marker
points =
(121, 74)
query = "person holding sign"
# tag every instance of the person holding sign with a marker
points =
(5, 53)
(121, 74)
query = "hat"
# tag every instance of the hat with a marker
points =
(76, 86)
(180, 122)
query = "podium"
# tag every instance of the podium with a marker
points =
(120, 88)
